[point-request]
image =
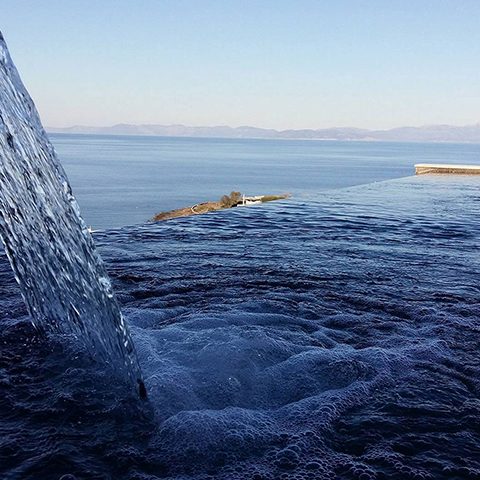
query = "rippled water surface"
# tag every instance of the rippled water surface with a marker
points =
(331, 337)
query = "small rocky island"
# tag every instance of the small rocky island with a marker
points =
(235, 199)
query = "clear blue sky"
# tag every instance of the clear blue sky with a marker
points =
(279, 64)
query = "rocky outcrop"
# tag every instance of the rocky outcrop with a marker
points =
(235, 199)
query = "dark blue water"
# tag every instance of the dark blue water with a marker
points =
(331, 336)
(120, 180)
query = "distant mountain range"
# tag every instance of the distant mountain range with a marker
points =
(428, 133)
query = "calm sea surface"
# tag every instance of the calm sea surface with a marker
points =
(125, 180)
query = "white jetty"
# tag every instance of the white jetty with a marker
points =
(250, 200)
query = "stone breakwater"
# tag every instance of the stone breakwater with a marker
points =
(235, 199)
(424, 168)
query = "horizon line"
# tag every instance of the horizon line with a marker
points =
(264, 128)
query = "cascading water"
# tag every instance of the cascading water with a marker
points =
(61, 276)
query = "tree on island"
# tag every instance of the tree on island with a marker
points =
(230, 201)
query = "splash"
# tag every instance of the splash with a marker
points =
(62, 277)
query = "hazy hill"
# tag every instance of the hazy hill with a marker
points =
(429, 133)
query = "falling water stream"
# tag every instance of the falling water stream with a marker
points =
(62, 277)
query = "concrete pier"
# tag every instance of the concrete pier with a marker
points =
(423, 168)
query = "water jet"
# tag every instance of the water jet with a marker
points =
(61, 276)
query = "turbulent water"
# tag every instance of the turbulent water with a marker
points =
(334, 337)
(62, 278)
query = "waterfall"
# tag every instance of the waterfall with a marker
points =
(61, 276)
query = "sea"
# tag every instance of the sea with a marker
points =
(332, 335)
(126, 180)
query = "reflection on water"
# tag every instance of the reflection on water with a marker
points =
(331, 337)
